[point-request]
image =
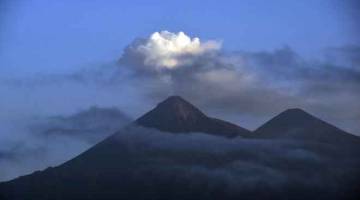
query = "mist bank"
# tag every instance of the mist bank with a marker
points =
(34, 143)
(137, 163)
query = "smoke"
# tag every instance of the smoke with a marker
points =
(244, 87)
(248, 87)
(166, 50)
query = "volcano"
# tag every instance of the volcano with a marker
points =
(298, 124)
(161, 156)
(177, 115)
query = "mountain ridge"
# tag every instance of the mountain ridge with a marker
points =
(140, 163)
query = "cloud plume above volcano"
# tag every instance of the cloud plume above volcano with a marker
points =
(245, 87)
(166, 50)
(257, 84)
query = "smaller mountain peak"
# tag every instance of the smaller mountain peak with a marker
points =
(295, 112)
(288, 119)
(293, 116)
(296, 123)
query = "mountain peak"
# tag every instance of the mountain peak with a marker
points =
(177, 115)
(176, 106)
(174, 99)
(295, 110)
(176, 102)
(296, 114)
(296, 123)
(293, 118)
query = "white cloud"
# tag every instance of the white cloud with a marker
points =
(170, 50)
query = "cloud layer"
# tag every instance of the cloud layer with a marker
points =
(35, 144)
(239, 166)
(199, 166)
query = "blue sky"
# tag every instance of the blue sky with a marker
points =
(45, 36)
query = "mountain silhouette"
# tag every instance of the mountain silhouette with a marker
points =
(177, 115)
(141, 161)
(297, 124)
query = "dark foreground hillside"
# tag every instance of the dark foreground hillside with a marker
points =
(139, 163)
